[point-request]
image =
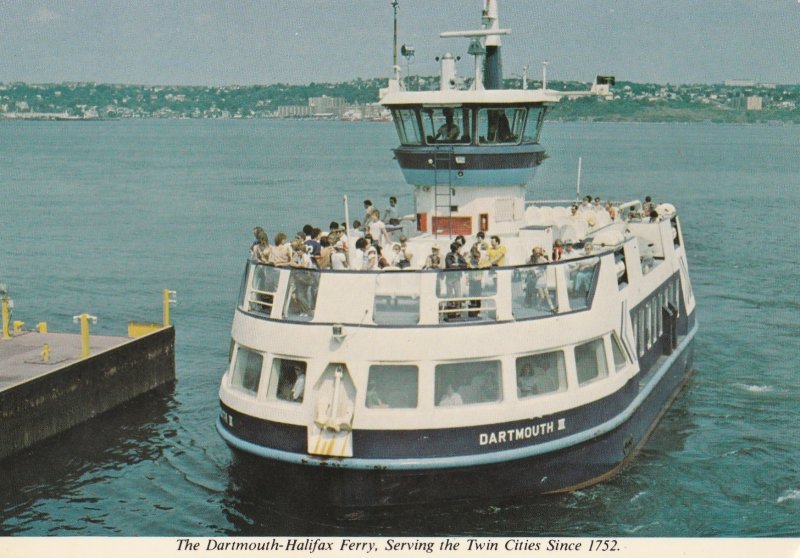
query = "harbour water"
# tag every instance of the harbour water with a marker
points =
(99, 217)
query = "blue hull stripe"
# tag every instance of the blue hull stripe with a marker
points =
(406, 464)
(491, 177)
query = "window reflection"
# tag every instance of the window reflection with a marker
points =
(287, 380)
(580, 278)
(466, 383)
(590, 361)
(533, 292)
(467, 294)
(247, 370)
(392, 387)
(396, 298)
(540, 374)
(405, 121)
(498, 125)
(264, 285)
(446, 125)
(301, 296)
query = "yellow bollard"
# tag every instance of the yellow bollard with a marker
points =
(6, 334)
(84, 321)
(18, 325)
(167, 301)
(46, 353)
(41, 327)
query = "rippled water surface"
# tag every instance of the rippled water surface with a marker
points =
(100, 216)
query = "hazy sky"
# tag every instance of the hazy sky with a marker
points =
(216, 42)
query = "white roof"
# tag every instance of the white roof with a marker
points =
(458, 97)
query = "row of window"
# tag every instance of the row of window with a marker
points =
(460, 383)
(648, 318)
(462, 295)
(452, 125)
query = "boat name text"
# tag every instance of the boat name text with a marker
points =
(521, 433)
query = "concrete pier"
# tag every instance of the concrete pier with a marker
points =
(39, 399)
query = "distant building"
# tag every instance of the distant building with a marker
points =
(755, 103)
(740, 83)
(294, 111)
(326, 105)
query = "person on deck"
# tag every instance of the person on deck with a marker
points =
(261, 250)
(434, 259)
(496, 253)
(281, 253)
(390, 214)
(339, 256)
(448, 132)
(405, 253)
(377, 229)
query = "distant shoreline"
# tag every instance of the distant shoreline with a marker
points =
(733, 102)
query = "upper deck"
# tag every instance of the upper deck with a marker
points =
(446, 297)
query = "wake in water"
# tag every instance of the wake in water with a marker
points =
(791, 495)
(755, 389)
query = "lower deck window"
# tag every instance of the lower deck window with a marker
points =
(590, 360)
(392, 387)
(542, 373)
(247, 370)
(466, 383)
(287, 380)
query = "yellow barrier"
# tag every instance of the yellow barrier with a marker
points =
(84, 321)
(167, 301)
(41, 327)
(6, 334)
(137, 329)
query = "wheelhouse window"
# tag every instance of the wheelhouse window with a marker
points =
(247, 370)
(467, 383)
(501, 125)
(392, 387)
(446, 125)
(542, 373)
(287, 380)
(533, 127)
(590, 360)
(407, 126)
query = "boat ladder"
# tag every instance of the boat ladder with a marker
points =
(442, 189)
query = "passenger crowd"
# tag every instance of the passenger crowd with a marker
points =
(370, 245)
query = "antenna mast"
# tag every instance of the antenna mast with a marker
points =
(395, 3)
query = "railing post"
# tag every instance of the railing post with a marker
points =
(6, 317)
(168, 294)
(84, 321)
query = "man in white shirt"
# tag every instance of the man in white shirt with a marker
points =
(450, 398)
(338, 258)
(377, 229)
(299, 385)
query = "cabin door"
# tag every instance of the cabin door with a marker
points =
(334, 397)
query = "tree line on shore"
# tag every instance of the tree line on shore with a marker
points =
(629, 101)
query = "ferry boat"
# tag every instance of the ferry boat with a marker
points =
(417, 385)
